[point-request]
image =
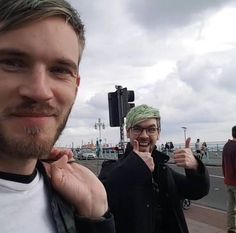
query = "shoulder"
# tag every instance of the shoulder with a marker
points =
(106, 168)
(109, 163)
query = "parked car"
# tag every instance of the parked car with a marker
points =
(86, 154)
(89, 155)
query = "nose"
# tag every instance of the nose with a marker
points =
(37, 85)
(144, 133)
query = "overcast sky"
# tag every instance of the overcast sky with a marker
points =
(177, 55)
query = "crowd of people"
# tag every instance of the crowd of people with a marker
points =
(168, 147)
(201, 150)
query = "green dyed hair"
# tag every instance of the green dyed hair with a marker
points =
(141, 113)
(17, 13)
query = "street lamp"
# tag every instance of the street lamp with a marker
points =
(185, 129)
(99, 125)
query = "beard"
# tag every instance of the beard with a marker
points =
(32, 145)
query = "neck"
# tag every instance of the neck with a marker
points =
(17, 166)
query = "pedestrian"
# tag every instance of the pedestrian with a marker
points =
(167, 146)
(171, 146)
(41, 44)
(204, 150)
(229, 172)
(198, 149)
(162, 147)
(144, 193)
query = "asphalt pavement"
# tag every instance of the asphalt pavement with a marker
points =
(205, 220)
(202, 219)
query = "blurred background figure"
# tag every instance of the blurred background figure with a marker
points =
(229, 172)
(204, 150)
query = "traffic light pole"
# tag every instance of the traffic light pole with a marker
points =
(99, 125)
(120, 110)
(119, 103)
(122, 138)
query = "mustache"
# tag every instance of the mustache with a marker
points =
(33, 109)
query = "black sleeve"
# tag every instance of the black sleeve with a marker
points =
(195, 184)
(106, 225)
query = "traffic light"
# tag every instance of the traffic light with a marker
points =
(114, 115)
(127, 99)
(119, 103)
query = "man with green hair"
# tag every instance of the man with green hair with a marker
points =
(41, 44)
(144, 194)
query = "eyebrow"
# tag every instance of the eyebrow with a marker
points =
(19, 53)
(13, 52)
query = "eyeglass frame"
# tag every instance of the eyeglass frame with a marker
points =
(146, 129)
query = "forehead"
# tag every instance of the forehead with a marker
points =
(147, 123)
(45, 39)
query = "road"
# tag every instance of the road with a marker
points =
(217, 197)
(202, 219)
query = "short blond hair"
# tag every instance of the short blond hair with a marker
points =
(17, 13)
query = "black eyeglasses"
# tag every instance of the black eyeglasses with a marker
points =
(150, 131)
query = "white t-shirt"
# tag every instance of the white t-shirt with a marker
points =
(24, 207)
(197, 146)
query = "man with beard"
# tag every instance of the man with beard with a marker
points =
(41, 44)
(144, 193)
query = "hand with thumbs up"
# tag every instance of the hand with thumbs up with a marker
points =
(185, 158)
(144, 155)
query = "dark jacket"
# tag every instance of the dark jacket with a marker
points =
(229, 162)
(64, 215)
(145, 202)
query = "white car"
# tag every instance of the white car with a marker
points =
(88, 155)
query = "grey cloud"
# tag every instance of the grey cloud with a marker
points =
(171, 13)
(228, 72)
(216, 70)
(124, 38)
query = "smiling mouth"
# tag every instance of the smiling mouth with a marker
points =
(143, 143)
